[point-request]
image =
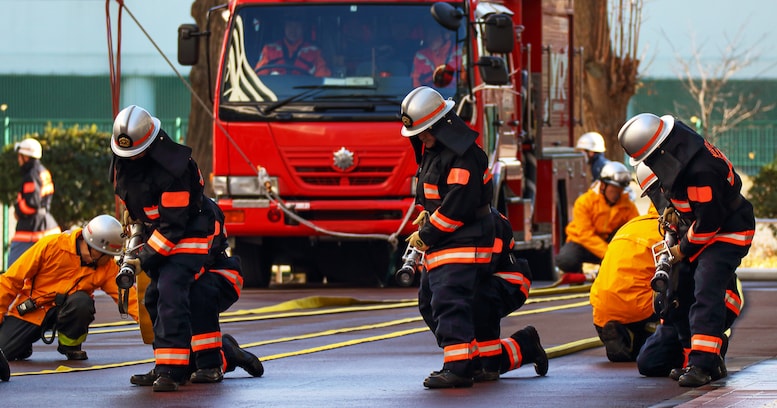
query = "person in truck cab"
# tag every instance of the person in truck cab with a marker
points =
(292, 55)
(437, 61)
(455, 189)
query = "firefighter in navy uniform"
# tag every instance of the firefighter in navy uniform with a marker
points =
(160, 185)
(221, 281)
(33, 202)
(704, 190)
(665, 352)
(502, 292)
(455, 188)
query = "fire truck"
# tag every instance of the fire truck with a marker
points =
(309, 165)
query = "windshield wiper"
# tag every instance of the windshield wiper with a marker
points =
(308, 91)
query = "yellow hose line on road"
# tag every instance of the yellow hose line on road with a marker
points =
(558, 350)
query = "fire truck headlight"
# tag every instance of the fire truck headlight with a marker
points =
(219, 185)
(249, 186)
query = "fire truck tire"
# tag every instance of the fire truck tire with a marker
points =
(255, 262)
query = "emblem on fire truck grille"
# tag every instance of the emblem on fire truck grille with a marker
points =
(343, 159)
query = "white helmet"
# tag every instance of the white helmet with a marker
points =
(133, 131)
(421, 109)
(29, 147)
(105, 234)
(616, 174)
(642, 135)
(592, 141)
(645, 177)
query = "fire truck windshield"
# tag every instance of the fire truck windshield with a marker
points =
(335, 56)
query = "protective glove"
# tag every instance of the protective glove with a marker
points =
(415, 241)
(422, 219)
(134, 263)
(670, 217)
(677, 256)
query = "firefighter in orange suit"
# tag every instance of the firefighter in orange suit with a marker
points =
(51, 288)
(455, 188)
(160, 185)
(292, 55)
(33, 202)
(621, 296)
(596, 215)
(704, 191)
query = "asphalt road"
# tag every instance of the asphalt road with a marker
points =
(367, 347)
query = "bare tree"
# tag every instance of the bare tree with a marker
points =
(200, 132)
(609, 37)
(719, 106)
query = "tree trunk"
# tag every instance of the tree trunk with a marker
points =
(609, 80)
(200, 131)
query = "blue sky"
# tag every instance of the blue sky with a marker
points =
(672, 25)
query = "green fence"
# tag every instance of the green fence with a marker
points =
(750, 146)
(15, 129)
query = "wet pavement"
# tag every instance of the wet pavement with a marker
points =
(367, 347)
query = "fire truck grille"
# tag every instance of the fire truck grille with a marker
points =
(370, 169)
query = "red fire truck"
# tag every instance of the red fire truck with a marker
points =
(308, 163)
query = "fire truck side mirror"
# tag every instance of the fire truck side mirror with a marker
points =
(447, 15)
(493, 70)
(188, 44)
(499, 33)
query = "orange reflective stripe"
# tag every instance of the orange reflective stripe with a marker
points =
(206, 341)
(172, 356)
(699, 238)
(490, 348)
(513, 351)
(23, 207)
(743, 238)
(681, 206)
(707, 344)
(487, 176)
(431, 191)
(459, 352)
(497, 245)
(517, 279)
(733, 302)
(651, 141)
(466, 255)
(192, 246)
(701, 194)
(151, 212)
(28, 187)
(423, 119)
(444, 223)
(33, 236)
(159, 243)
(233, 277)
(175, 199)
(458, 176)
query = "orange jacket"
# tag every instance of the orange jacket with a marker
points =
(621, 290)
(53, 266)
(593, 220)
(306, 57)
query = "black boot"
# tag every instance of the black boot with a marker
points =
(694, 377)
(72, 352)
(5, 369)
(207, 375)
(447, 379)
(237, 356)
(144, 380)
(531, 349)
(618, 342)
(676, 373)
(164, 383)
